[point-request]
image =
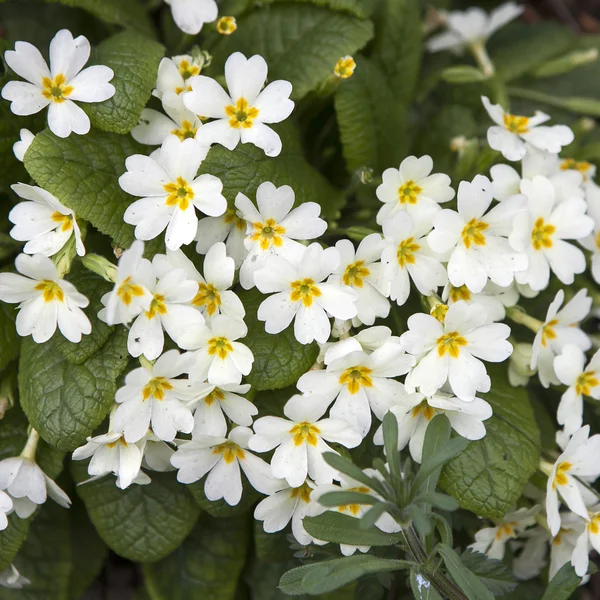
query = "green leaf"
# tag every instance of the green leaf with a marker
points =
(270, 547)
(279, 360)
(142, 523)
(464, 578)
(206, 566)
(390, 444)
(463, 74)
(304, 42)
(10, 341)
(422, 588)
(453, 447)
(371, 121)
(493, 573)
(437, 435)
(345, 466)
(491, 474)
(343, 498)
(66, 402)
(134, 59)
(116, 12)
(82, 171)
(244, 169)
(336, 527)
(360, 8)
(11, 539)
(563, 584)
(326, 576)
(441, 501)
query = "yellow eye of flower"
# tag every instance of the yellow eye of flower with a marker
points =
(507, 530)
(560, 477)
(240, 115)
(226, 25)
(344, 67)
(450, 343)
(408, 192)
(66, 220)
(50, 290)
(585, 382)
(180, 193)
(219, 346)
(208, 296)
(439, 311)
(216, 394)
(305, 432)
(472, 233)
(231, 216)
(230, 451)
(548, 332)
(157, 306)
(516, 124)
(188, 70)
(459, 293)
(355, 273)
(541, 234)
(428, 412)
(303, 492)
(127, 290)
(406, 251)
(55, 89)
(355, 377)
(156, 388)
(305, 290)
(576, 165)
(186, 131)
(267, 234)
(354, 509)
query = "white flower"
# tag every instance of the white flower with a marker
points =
(301, 440)
(472, 26)
(229, 228)
(219, 357)
(359, 383)
(243, 113)
(171, 192)
(530, 553)
(450, 351)
(45, 300)
(173, 79)
(560, 328)
(12, 579)
(154, 127)
(519, 364)
(493, 298)
(580, 459)
(273, 229)
(43, 222)
(6, 506)
(221, 458)
(414, 412)
(570, 369)
(589, 539)
(478, 240)
(153, 395)
(407, 255)
(28, 485)
(366, 340)
(564, 542)
(20, 147)
(592, 242)
(213, 296)
(361, 270)
(58, 86)
(190, 16)
(512, 131)
(300, 294)
(411, 187)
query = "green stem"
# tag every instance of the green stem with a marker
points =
(522, 318)
(482, 58)
(31, 445)
(101, 266)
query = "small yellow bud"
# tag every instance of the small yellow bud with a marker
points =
(344, 67)
(226, 25)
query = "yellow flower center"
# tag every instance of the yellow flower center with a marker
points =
(268, 233)
(598, 241)
(305, 432)
(156, 388)
(216, 394)
(219, 346)
(55, 89)
(51, 290)
(230, 451)
(186, 131)
(507, 530)
(459, 293)
(180, 193)
(450, 343)
(558, 537)
(560, 477)
(541, 234)
(408, 192)
(472, 233)
(406, 252)
(344, 67)
(187, 70)
(355, 274)
(576, 165)
(241, 115)
(121, 441)
(516, 124)
(354, 508)
(231, 217)
(594, 524)
(548, 332)
(303, 492)
(439, 311)
(354, 377)
(424, 410)
(305, 290)
(226, 25)
(208, 296)
(585, 382)
(157, 307)
(127, 290)
(180, 90)
(65, 220)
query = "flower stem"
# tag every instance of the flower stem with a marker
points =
(482, 58)
(101, 266)
(519, 316)
(31, 446)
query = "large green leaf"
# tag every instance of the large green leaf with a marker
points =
(134, 59)
(10, 341)
(82, 171)
(360, 8)
(206, 566)
(66, 402)
(563, 584)
(11, 539)
(279, 360)
(491, 474)
(303, 44)
(143, 523)
(466, 580)
(270, 547)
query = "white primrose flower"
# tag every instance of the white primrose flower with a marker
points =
(171, 192)
(6, 507)
(154, 127)
(540, 231)
(222, 457)
(588, 540)
(362, 271)
(190, 15)
(561, 327)
(28, 486)
(273, 229)
(592, 242)
(59, 86)
(155, 395)
(12, 579)
(564, 542)
(242, 114)
(367, 340)
(472, 27)
(478, 240)
(579, 460)
(530, 553)
(511, 132)
(581, 380)
(300, 294)
(450, 351)
(229, 228)
(519, 364)
(413, 188)
(359, 383)
(45, 300)
(173, 79)
(20, 147)
(407, 255)
(43, 222)
(213, 296)
(493, 298)
(492, 541)
(300, 440)
(414, 412)
(219, 358)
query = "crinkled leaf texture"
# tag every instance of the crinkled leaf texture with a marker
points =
(491, 474)
(360, 8)
(493, 573)
(10, 341)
